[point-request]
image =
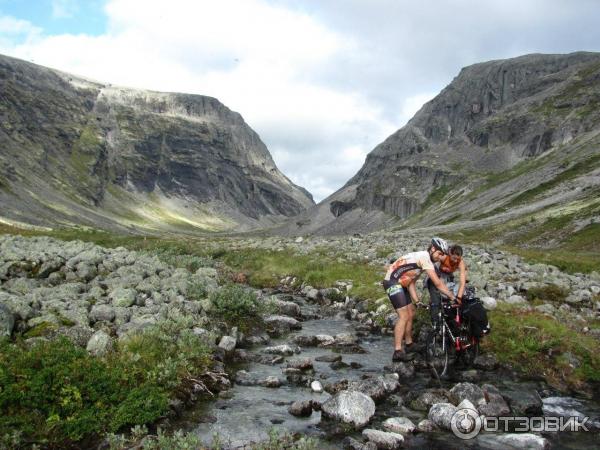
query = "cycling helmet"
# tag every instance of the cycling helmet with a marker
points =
(440, 244)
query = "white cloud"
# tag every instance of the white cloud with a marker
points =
(321, 84)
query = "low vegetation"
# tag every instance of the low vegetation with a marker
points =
(541, 346)
(265, 268)
(54, 393)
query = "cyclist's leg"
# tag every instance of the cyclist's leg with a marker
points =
(400, 301)
(408, 338)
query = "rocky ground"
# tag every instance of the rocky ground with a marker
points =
(322, 367)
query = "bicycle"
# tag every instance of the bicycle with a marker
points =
(451, 334)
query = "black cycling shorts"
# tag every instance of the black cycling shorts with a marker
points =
(398, 295)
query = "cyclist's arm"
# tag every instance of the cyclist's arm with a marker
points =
(463, 278)
(439, 284)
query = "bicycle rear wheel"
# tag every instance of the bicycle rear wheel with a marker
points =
(436, 353)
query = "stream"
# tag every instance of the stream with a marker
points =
(246, 413)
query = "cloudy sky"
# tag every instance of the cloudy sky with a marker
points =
(321, 81)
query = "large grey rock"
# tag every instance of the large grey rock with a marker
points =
(350, 407)
(514, 441)
(441, 414)
(104, 313)
(100, 343)
(402, 425)
(282, 324)
(384, 440)
(469, 391)
(228, 343)
(122, 297)
(283, 349)
(7, 321)
(523, 401)
(378, 387)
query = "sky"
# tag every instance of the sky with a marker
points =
(321, 81)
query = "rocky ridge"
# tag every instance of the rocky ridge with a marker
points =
(505, 139)
(77, 152)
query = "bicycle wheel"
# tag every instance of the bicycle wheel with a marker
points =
(436, 353)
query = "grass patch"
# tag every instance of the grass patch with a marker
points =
(536, 344)
(550, 293)
(265, 268)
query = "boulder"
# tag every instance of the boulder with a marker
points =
(102, 313)
(383, 440)
(228, 343)
(122, 297)
(377, 388)
(441, 414)
(495, 405)
(7, 321)
(287, 308)
(332, 357)
(487, 361)
(350, 443)
(316, 386)
(271, 382)
(301, 408)
(283, 349)
(428, 398)
(489, 303)
(281, 324)
(306, 340)
(426, 426)
(300, 363)
(99, 344)
(515, 441)
(523, 402)
(468, 391)
(402, 425)
(350, 407)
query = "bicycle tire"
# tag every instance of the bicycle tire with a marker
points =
(437, 352)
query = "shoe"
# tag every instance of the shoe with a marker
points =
(399, 355)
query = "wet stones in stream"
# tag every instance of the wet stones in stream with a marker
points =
(350, 407)
(278, 325)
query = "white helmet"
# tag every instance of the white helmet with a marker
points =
(440, 244)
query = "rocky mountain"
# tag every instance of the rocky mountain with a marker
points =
(513, 142)
(77, 152)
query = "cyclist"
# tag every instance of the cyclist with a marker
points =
(400, 286)
(449, 264)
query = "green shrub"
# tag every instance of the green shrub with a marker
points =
(549, 293)
(55, 394)
(238, 306)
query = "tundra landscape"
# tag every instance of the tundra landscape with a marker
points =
(164, 285)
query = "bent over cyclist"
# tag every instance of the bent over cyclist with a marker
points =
(400, 286)
(449, 264)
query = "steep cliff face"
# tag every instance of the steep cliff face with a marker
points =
(499, 129)
(79, 152)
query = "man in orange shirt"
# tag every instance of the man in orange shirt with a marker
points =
(449, 264)
(400, 286)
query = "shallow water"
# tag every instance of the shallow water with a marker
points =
(246, 414)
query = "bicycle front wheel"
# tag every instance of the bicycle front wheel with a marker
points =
(437, 350)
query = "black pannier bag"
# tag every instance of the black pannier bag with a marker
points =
(476, 316)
